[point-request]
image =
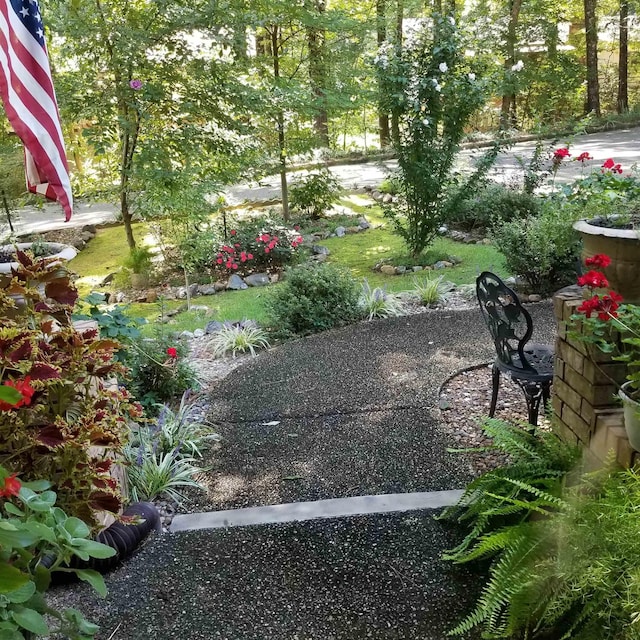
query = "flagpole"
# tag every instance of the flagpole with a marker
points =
(6, 210)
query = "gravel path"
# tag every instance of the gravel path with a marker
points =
(363, 577)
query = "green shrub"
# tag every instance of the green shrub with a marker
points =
(138, 260)
(159, 371)
(493, 204)
(544, 250)
(315, 193)
(314, 298)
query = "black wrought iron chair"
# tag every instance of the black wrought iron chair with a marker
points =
(511, 326)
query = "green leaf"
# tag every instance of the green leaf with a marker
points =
(11, 509)
(83, 625)
(94, 579)
(94, 549)
(9, 394)
(30, 620)
(10, 634)
(11, 578)
(22, 594)
(37, 485)
(42, 502)
(76, 528)
(42, 578)
(20, 538)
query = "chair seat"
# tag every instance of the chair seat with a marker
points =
(540, 360)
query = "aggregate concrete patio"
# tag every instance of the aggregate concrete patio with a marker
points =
(363, 404)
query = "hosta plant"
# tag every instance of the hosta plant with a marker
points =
(37, 538)
(242, 337)
(70, 412)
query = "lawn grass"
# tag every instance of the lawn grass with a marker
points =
(356, 252)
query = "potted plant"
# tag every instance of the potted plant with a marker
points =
(139, 263)
(613, 326)
(611, 226)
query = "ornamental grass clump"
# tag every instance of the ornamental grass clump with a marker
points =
(69, 423)
(605, 321)
(430, 290)
(242, 337)
(377, 303)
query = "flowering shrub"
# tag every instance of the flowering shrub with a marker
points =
(67, 407)
(257, 246)
(609, 324)
(38, 538)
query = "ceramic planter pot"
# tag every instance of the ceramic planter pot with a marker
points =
(139, 280)
(623, 247)
(631, 409)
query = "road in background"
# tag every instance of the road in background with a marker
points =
(622, 145)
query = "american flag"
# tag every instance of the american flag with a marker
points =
(27, 92)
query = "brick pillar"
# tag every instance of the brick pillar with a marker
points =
(585, 382)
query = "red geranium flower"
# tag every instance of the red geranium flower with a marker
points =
(593, 279)
(172, 352)
(233, 232)
(560, 154)
(583, 157)
(11, 486)
(610, 163)
(600, 260)
(24, 388)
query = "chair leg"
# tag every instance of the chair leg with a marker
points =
(495, 378)
(546, 395)
(533, 393)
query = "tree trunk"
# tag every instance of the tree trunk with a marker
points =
(508, 112)
(383, 116)
(591, 40)
(623, 60)
(129, 139)
(395, 114)
(282, 146)
(316, 40)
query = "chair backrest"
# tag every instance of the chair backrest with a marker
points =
(508, 321)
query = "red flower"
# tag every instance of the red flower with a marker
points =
(583, 157)
(600, 260)
(11, 487)
(233, 232)
(560, 154)
(605, 306)
(219, 261)
(593, 279)
(609, 163)
(250, 256)
(172, 352)
(24, 388)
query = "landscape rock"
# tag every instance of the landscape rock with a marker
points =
(321, 257)
(207, 289)
(199, 307)
(340, 232)
(90, 228)
(376, 195)
(220, 285)
(274, 277)
(213, 327)
(198, 333)
(354, 229)
(186, 334)
(363, 223)
(443, 230)
(151, 295)
(442, 264)
(87, 236)
(416, 268)
(107, 279)
(455, 260)
(387, 198)
(236, 283)
(78, 243)
(121, 297)
(388, 269)
(535, 297)
(401, 269)
(181, 293)
(320, 250)
(257, 279)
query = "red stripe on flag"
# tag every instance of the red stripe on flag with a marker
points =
(27, 91)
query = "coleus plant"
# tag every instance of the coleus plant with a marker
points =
(69, 422)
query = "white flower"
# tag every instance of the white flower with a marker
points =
(518, 66)
(425, 122)
(443, 67)
(436, 85)
(452, 22)
(472, 76)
